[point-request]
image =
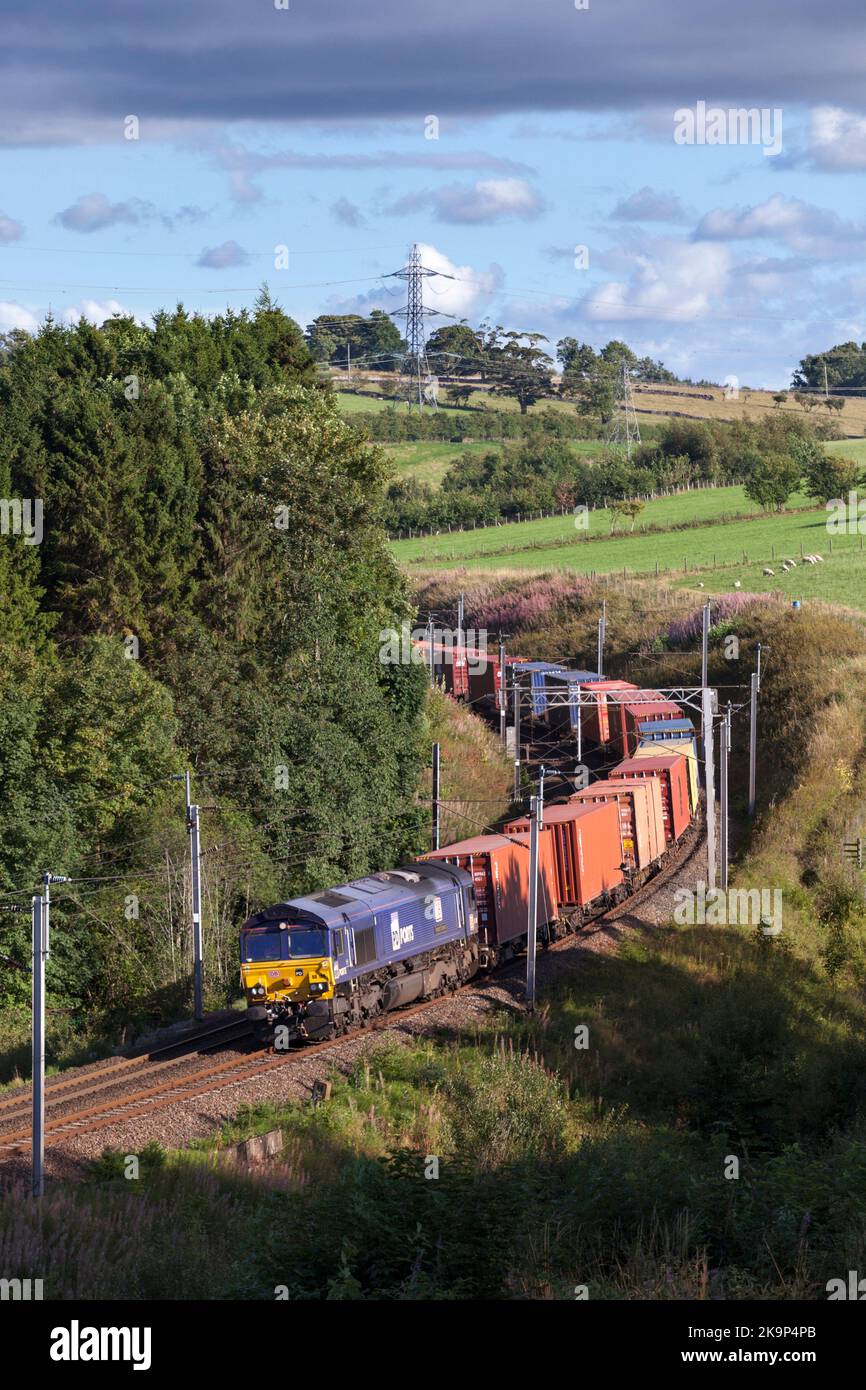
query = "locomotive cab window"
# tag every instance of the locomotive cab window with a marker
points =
(339, 944)
(279, 943)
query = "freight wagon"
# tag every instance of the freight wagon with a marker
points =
(634, 713)
(485, 677)
(538, 676)
(641, 823)
(564, 683)
(498, 866)
(679, 739)
(451, 665)
(670, 769)
(588, 854)
(596, 717)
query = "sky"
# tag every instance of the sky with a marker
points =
(548, 155)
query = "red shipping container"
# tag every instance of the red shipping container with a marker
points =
(617, 701)
(500, 872)
(588, 849)
(637, 823)
(596, 718)
(485, 677)
(450, 664)
(674, 777)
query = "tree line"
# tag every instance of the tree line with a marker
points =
(208, 592)
(771, 459)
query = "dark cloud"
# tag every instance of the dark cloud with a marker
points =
(223, 257)
(220, 60)
(348, 213)
(92, 212)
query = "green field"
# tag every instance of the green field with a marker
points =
(716, 551)
(849, 448)
(351, 404)
(525, 543)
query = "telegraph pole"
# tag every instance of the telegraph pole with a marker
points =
(192, 825)
(516, 739)
(41, 908)
(434, 839)
(705, 643)
(431, 654)
(40, 951)
(460, 617)
(753, 741)
(602, 630)
(503, 698)
(535, 814)
(579, 728)
(708, 701)
(724, 756)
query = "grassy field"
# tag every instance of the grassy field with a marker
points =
(849, 448)
(712, 555)
(656, 403)
(514, 538)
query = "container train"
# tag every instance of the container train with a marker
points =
(330, 962)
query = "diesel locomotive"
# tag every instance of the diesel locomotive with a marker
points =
(320, 965)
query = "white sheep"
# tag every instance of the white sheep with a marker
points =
(768, 570)
(737, 584)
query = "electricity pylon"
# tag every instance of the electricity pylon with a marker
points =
(415, 364)
(624, 428)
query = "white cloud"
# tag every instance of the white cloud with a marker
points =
(16, 316)
(485, 201)
(837, 139)
(802, 226)
(94, 311)
(679, 281)
(465, 295)
(462, 295)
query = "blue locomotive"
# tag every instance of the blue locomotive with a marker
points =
(316, 966)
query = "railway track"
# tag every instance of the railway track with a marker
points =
(175, 1084)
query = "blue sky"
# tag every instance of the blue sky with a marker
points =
(307, 128)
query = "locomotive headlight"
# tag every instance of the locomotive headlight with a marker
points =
(318, 987)
(257, 991)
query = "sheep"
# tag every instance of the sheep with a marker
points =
(737, 584)
(820, 559)
(767, 570)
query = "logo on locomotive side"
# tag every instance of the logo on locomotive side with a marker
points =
(400, 936)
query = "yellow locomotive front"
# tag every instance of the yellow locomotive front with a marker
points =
(284, 967)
